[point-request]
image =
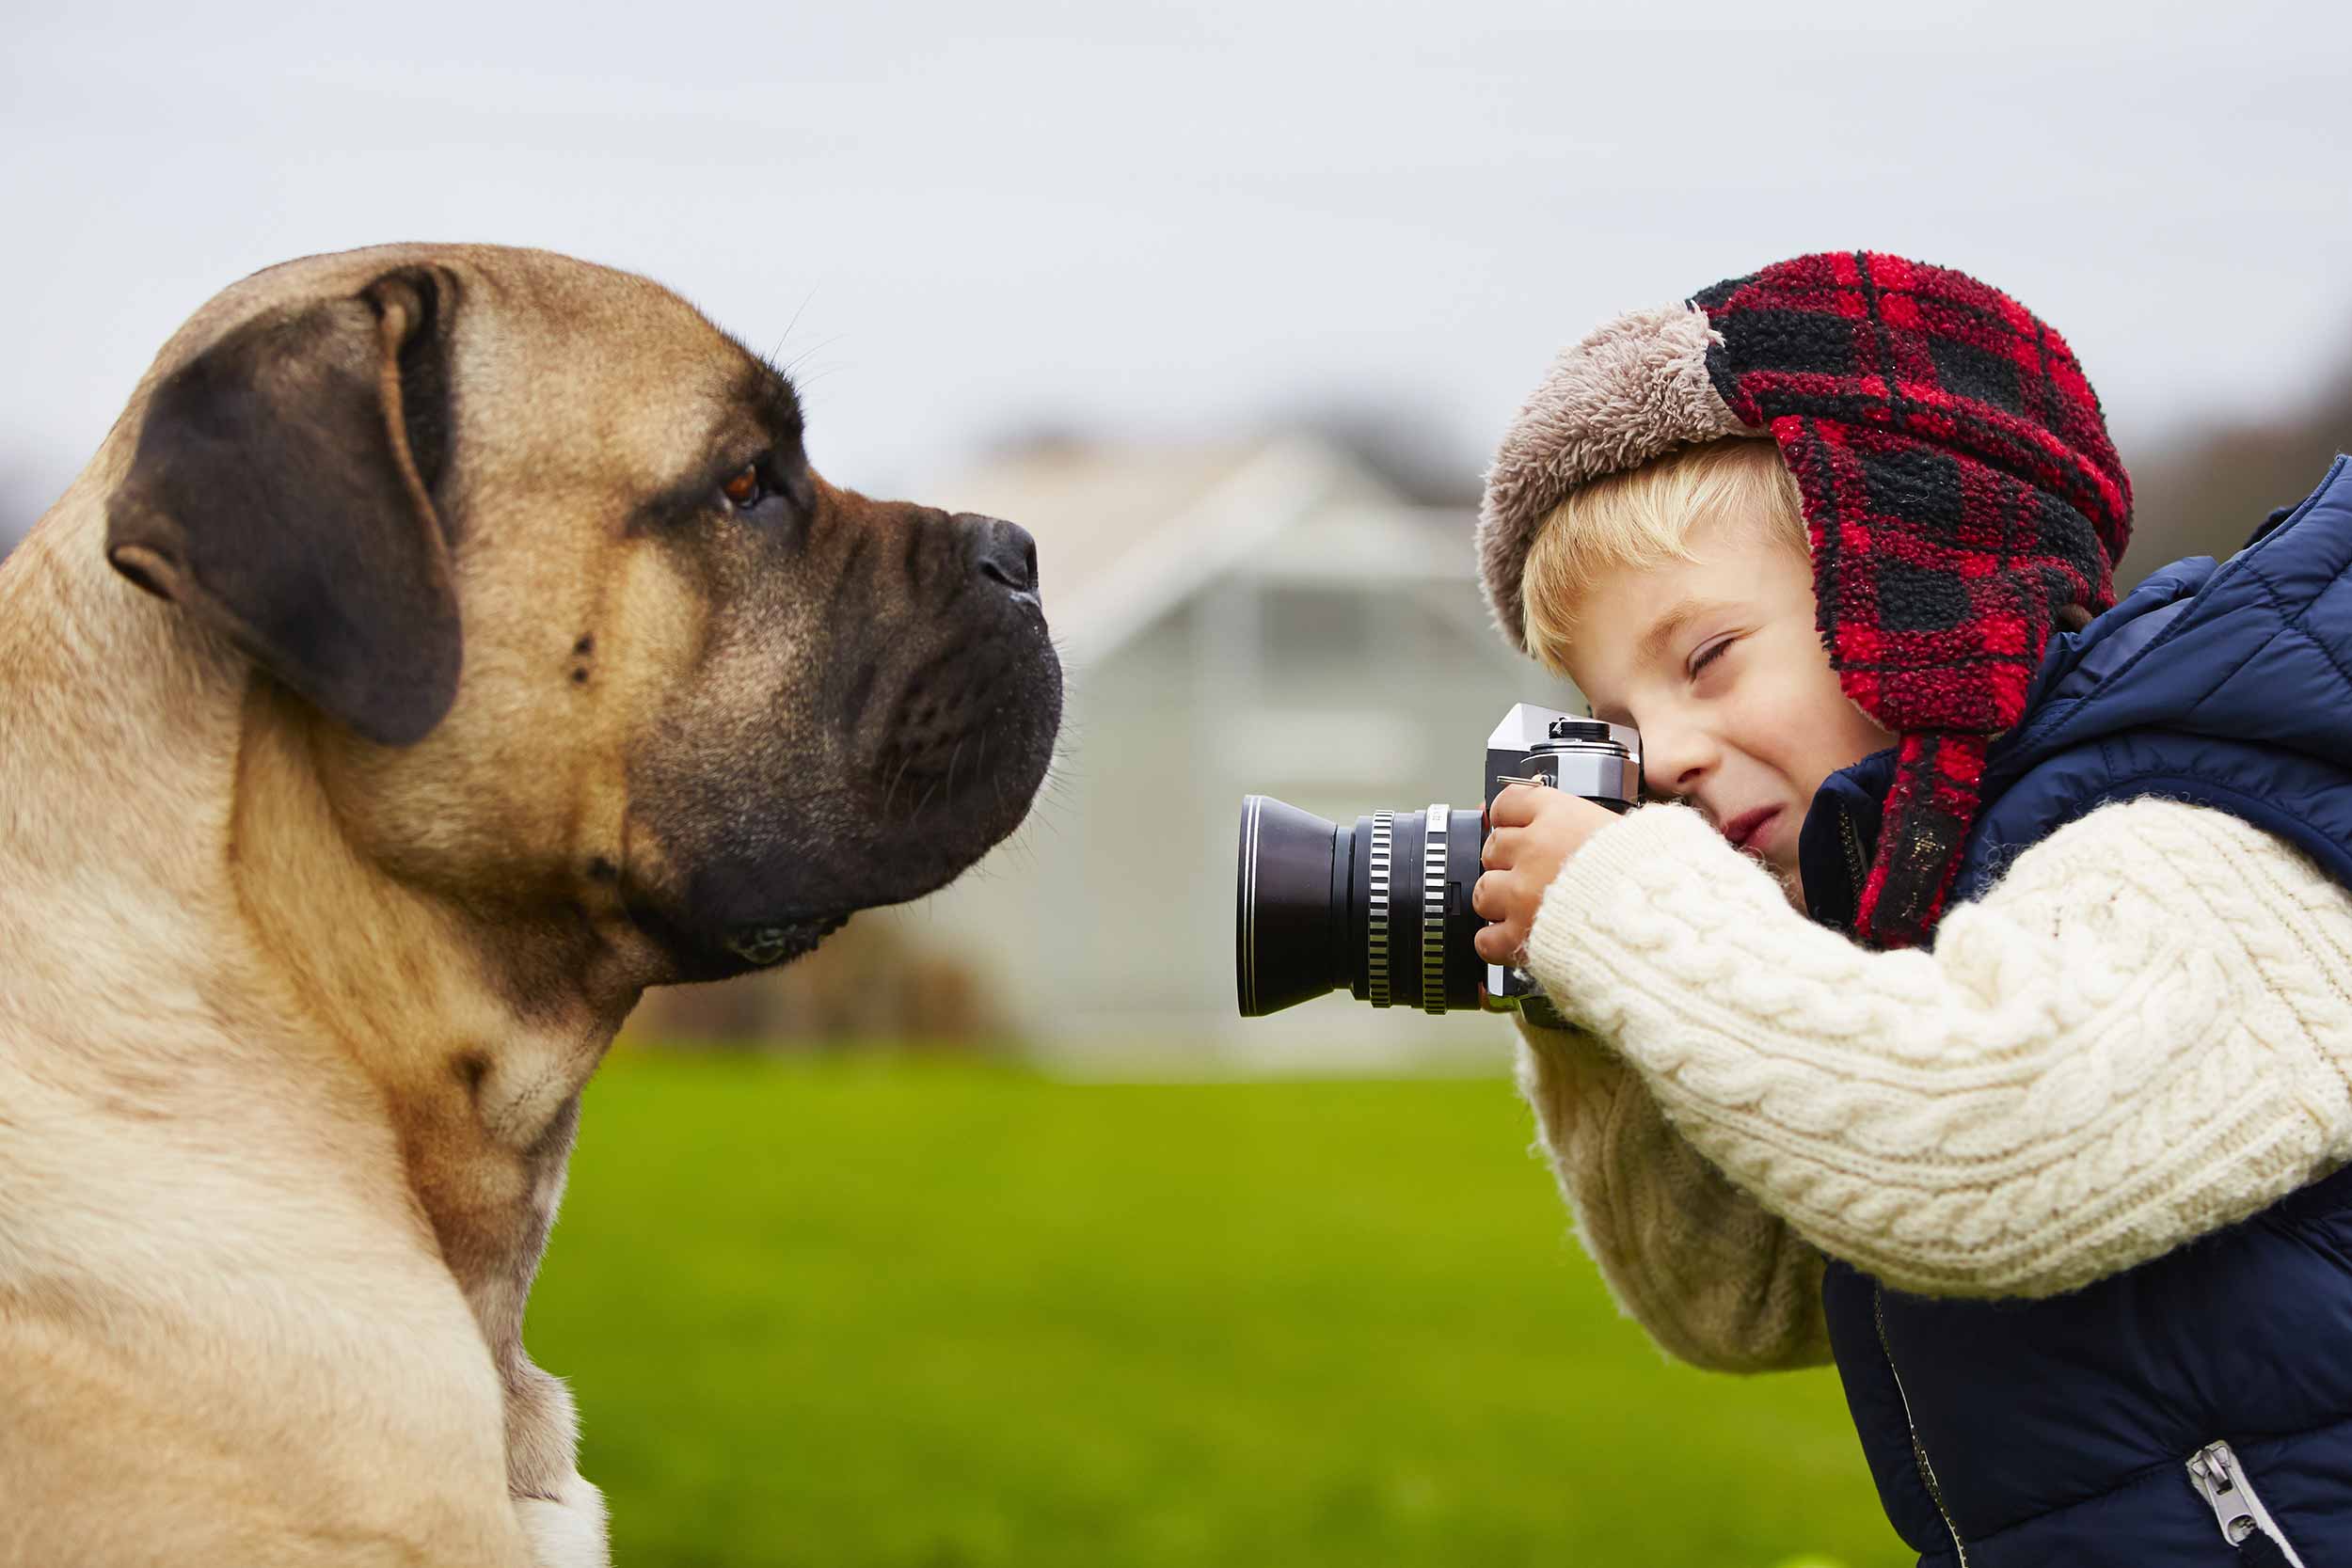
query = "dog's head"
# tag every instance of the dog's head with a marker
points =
(535, 557)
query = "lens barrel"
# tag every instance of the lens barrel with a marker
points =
(1293, 912)
(1381, 908)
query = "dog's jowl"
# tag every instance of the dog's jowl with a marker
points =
(446, 644)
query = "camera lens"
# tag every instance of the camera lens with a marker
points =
(1381, 908)
(1291, 926)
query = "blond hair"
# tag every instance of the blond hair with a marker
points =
(1644, 518)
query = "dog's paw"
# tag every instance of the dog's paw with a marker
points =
(569, 1533)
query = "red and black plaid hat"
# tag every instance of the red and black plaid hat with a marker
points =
(1958, 487)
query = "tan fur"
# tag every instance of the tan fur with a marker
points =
(293, 1027)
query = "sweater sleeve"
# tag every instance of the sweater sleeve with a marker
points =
(2140, 1034)
(1707, 1272)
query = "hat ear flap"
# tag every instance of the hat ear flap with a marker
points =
(281, 493)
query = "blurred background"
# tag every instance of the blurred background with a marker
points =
(988, 1234)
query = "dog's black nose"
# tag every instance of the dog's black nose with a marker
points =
(1004, 551)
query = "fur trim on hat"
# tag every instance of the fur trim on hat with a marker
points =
(1633, 390)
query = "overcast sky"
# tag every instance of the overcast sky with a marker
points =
(972, 219)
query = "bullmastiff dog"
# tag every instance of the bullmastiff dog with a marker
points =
(446, 644)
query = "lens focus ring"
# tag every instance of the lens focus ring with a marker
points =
(1433, 911)
(1376, 923)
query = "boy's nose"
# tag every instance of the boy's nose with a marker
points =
(1675, 762)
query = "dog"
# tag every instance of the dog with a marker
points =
(446, 644)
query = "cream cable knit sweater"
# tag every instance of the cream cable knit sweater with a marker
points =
(2142, 1034)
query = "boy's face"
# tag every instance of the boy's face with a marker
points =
(1716, 662)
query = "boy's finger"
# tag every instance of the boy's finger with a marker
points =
(1495, 943)
(1486, 897)
(1501, 849)
(1515, 806)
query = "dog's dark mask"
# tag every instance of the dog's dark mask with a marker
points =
(919, 724)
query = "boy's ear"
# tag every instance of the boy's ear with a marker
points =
(281, 493)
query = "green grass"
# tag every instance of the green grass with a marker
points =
(930, 1316)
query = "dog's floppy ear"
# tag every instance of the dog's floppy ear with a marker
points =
(283, 493)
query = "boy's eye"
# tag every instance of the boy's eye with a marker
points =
(1710, 654)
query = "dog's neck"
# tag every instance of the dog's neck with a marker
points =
(176, 849)
(117, 739)
(487, 1039)
(499, 1013)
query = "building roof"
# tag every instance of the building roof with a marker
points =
(1126, 530)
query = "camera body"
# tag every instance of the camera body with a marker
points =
(1383, 908)
(1585, 756)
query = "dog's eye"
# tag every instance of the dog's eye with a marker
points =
(746, 489)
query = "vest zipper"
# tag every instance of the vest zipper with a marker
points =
(2221, 1480)
(1857, 864)
(1918, 1449)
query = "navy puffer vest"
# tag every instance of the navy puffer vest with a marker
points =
(2061, 1431)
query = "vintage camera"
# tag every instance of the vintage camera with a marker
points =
(1384, 908)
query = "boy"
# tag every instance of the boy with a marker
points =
(1975, 1007)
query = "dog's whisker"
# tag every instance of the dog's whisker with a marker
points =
(792, 365)
(786, 333)
(892, 793)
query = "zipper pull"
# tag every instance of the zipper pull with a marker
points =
(2218, 1478)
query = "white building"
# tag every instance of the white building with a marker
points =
(1269, 618)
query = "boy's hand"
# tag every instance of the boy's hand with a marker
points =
(1532, 833)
